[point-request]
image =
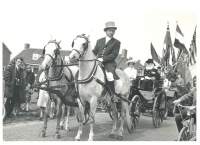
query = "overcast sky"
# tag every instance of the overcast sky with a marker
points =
(139, 23)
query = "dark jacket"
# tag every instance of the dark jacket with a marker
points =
(10, 80)
(108, 52)
(30, 78)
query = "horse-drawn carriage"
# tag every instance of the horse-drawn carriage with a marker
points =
(155, 101)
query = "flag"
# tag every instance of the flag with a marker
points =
(193, 70)
(179, 40)
(154, 54)
(182, 55)
(173, 57)
(166, 48)
(193, 50)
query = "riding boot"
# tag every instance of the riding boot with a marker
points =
(112, 88)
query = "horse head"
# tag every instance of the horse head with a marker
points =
(50, 53)
(79, 47)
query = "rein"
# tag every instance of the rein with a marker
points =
(91, 75)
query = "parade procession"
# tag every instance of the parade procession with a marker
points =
(95, 88)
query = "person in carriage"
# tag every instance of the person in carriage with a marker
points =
(131, 71)
(106, 50)
(150, 74)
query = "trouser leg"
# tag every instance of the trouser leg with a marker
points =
(179, 119)
(10, 103)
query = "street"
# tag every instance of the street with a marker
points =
(145, 130)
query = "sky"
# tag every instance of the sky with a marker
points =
(138, 23)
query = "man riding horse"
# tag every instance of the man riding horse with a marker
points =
(107, 50)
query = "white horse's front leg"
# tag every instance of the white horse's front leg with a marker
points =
(80, 115)
(63, 117)
(114, 127)
(67, 127)
(123, 116)
(93, 106)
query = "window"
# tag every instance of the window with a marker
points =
(35, 56)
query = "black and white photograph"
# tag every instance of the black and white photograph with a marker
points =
(99, 70)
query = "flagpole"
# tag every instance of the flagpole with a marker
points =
(178, 60)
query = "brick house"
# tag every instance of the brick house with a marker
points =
(6, 55)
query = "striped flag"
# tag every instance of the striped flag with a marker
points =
(192, 50)
(179, 40)
(182, 55)
(193, 55)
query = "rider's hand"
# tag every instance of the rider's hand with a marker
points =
(146, 77)
(177, 101)
(100, 59)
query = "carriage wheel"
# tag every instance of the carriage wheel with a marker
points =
(159, 110)
(3, 112)
(166, 111)
(184, 135)
(135, 109)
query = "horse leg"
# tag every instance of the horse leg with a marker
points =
(80, 115)
(123, 116)
(93, 106)
(46, 114)
(58, 117)
(67, 127)
(114, 127)
(63, 117)
(52, 109)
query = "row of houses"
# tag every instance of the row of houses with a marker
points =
(32, 57)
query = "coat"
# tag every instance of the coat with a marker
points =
(108, 52)
(9, 78)
(30, 78)
(191, 94)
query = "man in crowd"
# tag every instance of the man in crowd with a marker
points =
(13, 77)
(107, 50)
(179, 118)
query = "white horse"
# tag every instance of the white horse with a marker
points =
(57, 76)
(90, 91)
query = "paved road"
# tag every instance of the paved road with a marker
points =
(145, 130)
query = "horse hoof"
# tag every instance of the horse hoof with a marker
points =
(76, 139)
(112, 135)
(61, 127)
(120, 137)
(42, 134)
(57, 136)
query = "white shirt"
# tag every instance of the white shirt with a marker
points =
(166, 83)
(107, 39)
(131, 72)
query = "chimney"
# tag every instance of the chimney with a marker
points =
(26, 46)
(124, 53)
(138, 61)
(130, 58)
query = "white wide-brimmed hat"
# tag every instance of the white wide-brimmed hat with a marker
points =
(131, 61)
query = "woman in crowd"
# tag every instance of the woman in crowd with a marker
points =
(43, 96)
(131, 71)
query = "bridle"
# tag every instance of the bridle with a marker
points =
(54, 62)
(56, 51)
(85, 45)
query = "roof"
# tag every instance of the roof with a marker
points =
(4, 46)
(27, 55)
